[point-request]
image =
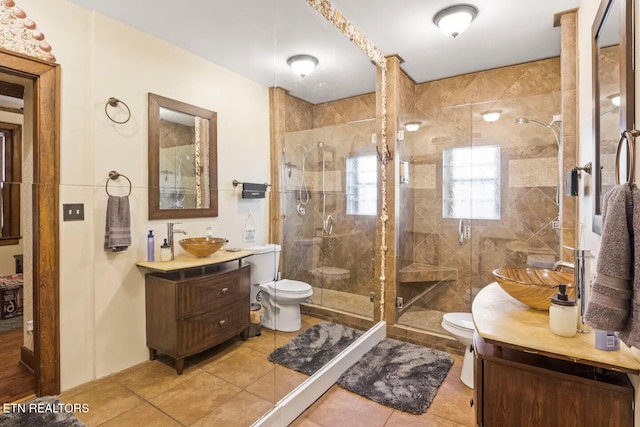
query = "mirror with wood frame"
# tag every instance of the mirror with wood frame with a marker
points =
(613, 94)
(183, 179)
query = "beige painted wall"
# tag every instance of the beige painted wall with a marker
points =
(102, 294)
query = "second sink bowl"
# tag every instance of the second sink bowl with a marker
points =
(533, 286)
(201, 247)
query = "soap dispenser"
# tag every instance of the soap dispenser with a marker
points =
(165, 251)
(563, 313)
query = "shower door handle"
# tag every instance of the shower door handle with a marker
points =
(328, 225)
(461, 233)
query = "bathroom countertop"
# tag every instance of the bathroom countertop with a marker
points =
(502, 320)
(183, 262)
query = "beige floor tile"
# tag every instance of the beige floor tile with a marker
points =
(403, 419)
(452, 400)
(338, 407)
(277, 383)
(106, 399)
(143, 415)
(151, 378)
(241, 366)
(264, 343)
(242, 410)
(195, 398)
(302, 421)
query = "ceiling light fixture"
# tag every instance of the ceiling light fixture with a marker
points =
(455, 20)
(615, 99)
(302, 64)
(491, 116)
(412, 126)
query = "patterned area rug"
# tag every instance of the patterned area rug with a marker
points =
(312, 349)
(400, 375)
(42, 411)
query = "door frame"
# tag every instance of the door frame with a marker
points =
(46, 179)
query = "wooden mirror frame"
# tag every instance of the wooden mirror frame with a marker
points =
(627, 89)
(155, 103)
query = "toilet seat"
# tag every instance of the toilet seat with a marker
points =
(463, 321)
(287, 286)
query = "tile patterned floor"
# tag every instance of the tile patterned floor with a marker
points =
(234, 384)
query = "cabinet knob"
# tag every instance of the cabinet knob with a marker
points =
(224, 290)
(222, 322)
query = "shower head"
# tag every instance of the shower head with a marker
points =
(524, 120)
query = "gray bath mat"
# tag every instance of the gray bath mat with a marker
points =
(312, 349)
(43, 411)
(400, 375)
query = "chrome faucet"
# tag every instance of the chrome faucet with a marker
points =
(170, 232)
(581, 282)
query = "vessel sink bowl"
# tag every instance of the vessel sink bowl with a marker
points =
(201, 246)
(533, 287)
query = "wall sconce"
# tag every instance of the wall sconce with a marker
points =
(615, 99)
(412, 126)
(404, 172)
(302, 64)
(491, 116)
(456, 19)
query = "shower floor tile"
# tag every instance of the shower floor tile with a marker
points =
(423, 318)
(344, 301)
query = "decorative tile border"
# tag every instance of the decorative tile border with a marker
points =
(331, 14)
(19, 34)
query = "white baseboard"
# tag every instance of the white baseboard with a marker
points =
(303, 396)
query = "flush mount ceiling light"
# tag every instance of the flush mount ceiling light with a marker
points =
(491, 116)
(302, 64)
(455, 20)
(412, 126)
(615, 99)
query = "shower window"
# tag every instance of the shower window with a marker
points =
(362, 180)
(471, 182)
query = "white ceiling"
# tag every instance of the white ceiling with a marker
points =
(255, 37)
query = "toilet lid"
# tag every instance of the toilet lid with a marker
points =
(461, 320)
(289, 286)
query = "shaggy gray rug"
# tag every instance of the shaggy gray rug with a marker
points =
(40, 412)
(400, 375)
(312, 349)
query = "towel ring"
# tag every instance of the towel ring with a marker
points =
(629, 136)
(113, 175)
(113, 102)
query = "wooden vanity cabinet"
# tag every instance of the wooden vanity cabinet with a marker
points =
(189, 311)
(522, 389)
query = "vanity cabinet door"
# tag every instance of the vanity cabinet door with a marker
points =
(199, 296)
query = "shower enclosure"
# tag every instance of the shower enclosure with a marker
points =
(476, 195)
(329, 176)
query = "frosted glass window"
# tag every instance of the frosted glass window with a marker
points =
(471, 182)
(362, 185)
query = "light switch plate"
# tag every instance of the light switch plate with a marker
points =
(73, 211)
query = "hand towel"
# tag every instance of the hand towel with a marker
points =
(117, 235)
(610, 303)
(631, 334)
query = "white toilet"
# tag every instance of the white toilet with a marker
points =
(280, 298)
(460, 326)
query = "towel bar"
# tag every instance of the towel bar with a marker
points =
(629, 136)
(113, 175)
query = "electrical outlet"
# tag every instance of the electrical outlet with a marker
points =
(73, 212)
(467, 231)
(555, 224)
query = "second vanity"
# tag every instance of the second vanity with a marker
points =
(527, 376)
(193, 304)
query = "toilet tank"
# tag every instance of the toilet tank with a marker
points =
(264, 262)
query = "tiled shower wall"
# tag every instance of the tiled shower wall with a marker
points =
(345, 128)
(450, 112)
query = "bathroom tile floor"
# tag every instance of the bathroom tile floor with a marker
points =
(234, 384)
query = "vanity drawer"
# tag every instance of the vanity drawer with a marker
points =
(212, 292)
(198, 333)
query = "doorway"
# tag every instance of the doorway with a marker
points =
(45, 228)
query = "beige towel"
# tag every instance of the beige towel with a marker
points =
(117, 233)
(611, 293)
